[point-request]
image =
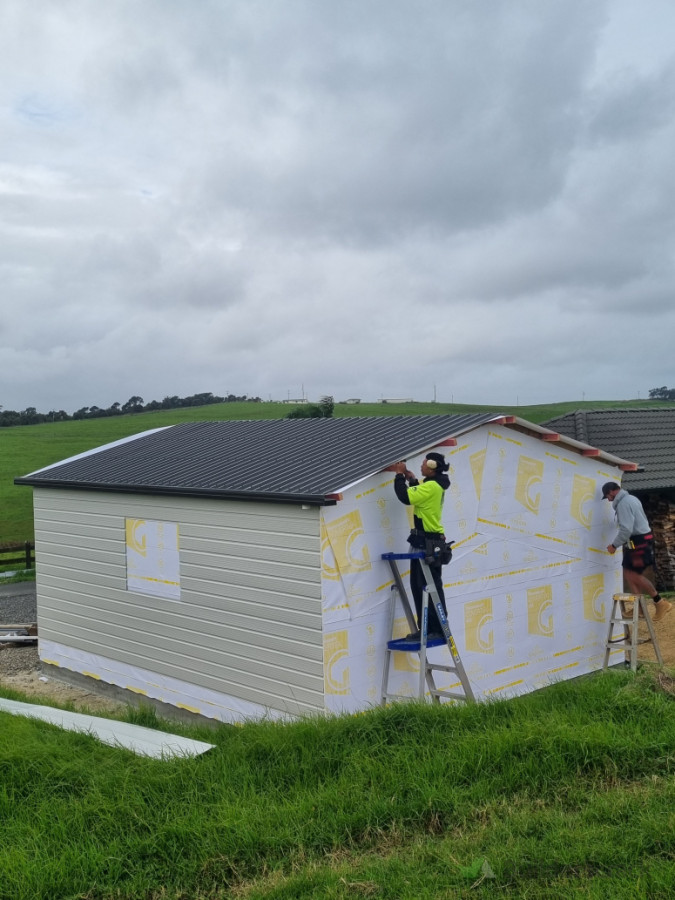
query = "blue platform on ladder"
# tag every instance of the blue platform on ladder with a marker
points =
(414, 554)
(410, 645)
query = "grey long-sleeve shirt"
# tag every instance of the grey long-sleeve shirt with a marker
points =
(630, 517)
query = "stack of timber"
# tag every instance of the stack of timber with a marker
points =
(661, 514)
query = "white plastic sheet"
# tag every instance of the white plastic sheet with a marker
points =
(142, 741)
(528, 590)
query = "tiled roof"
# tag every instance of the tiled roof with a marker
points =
(280, 459)
(644, 435)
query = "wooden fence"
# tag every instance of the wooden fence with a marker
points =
(18, 555)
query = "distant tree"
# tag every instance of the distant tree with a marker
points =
(133, 405)
(202, 399)
(324, 410)
(311, 411)
(327, 404)
(30, 416)
(9, 417)
(662, 393)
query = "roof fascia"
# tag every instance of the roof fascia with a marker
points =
(245, 496)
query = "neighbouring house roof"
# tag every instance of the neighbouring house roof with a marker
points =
(301, 460)
(645, 435)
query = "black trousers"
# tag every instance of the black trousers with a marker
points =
(417, 585)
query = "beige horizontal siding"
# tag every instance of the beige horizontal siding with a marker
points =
(249, 620)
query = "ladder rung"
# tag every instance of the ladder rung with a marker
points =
(439, 668)
(450, 694)
(399, 696)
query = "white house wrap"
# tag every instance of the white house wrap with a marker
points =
(263, 592)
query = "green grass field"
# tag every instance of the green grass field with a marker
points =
(568, 792)
(26, 448)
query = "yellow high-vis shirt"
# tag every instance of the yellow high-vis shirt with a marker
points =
(427, 500)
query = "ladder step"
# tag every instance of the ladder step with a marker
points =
(415, 554)
(439, 668)
(410, 646)
(449, 694)
(399, 697)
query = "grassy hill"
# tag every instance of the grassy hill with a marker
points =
(567, 792)
(24, 449)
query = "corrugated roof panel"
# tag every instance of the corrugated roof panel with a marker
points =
(302, 459)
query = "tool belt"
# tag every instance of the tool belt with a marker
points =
(437, 551)
(638, 552)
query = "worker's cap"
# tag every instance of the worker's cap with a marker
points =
(608, 487)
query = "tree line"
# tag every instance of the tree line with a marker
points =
(662, 393)
(30, 415)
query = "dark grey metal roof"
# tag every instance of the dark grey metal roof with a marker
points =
(645, 435)
(302, 460)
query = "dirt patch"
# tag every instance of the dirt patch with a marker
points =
(32, 684)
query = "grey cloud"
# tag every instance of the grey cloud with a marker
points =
(364, 198)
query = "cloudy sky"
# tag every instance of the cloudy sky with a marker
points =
(364, 198)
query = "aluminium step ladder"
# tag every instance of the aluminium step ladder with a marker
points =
(629, 622)
(403, 645)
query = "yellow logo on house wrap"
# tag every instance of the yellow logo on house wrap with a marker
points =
(479, 635)
(335, 655)
(540, 610)
(530, 474)
(477, 461)
(340, 537)
(136, 536)
(593, 587)
(583, 491)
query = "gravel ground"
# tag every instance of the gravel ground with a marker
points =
(18, 606)
(20, 663)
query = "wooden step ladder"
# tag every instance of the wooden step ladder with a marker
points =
(404, 645)
(629, 622)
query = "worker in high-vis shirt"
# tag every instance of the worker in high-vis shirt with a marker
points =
(426, 500)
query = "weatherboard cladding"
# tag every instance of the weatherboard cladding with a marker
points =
(645, 435)
(249, 622)
(285, 459)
